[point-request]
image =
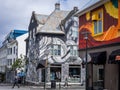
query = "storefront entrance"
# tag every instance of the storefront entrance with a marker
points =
(114, 58)
(98, 60)
(98, 77)
(55, 73)
(43, 75)
(2, 77)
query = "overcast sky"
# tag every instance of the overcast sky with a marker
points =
(15, 14)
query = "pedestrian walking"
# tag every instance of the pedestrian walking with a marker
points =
(15, 83)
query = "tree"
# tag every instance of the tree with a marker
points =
(17, 64)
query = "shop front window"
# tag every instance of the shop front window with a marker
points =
(74, 73)
(100, 74)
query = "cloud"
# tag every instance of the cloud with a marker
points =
(15, 14)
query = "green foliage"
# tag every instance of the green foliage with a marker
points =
(17, 64)
(20, 63)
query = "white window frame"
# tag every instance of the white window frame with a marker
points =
(56, 50)
(73, 51)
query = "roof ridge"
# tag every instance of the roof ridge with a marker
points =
(53, 21)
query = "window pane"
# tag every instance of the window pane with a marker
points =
(73, 50)
(14, 50)
(55, 50)
(51, 51)
(101, 74)
(58, 47)
(95, 27)
(100, 15)
(55, 47)
(59, 53)
(59, 50)
(100, 26)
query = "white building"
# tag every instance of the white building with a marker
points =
(16, 49)
(3, 63)
(3, 57)
(13, 47)
(21, 47)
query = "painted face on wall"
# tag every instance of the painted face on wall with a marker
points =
(72, 30)
(55, 48)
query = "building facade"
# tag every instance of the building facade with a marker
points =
(52, 47)
(11, 50)
(102, 20)
(3, 58)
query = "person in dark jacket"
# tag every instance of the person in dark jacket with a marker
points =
(16, 82)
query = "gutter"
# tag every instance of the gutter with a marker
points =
(91, 7)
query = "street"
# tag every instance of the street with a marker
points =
(8, 87)
(15, 88)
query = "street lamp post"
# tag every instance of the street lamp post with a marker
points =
(86, 33)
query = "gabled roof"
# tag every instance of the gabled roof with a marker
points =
(41, 19)
(52, 24)
(71, 13)
(91, 6)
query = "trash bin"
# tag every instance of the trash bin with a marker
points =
(53, 84)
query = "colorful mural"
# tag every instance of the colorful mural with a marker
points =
(111, 9)
(110, 26)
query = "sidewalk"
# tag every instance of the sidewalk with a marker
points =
(57, 87)
(62, 88)
(5, 84)
(48, 87)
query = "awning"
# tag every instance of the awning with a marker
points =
(98, 57)
(114, 57)
(41, 64)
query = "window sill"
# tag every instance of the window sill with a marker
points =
(96, 35)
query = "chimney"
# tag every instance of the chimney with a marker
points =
(57, 6)
(75, 9)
